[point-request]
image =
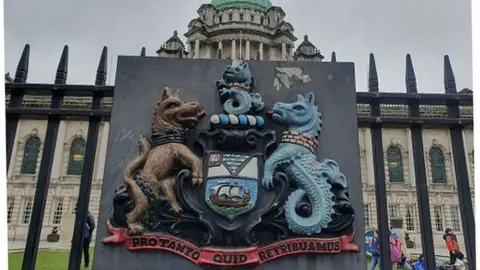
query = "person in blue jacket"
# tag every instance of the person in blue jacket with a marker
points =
(419, 264)
(375, 250)
(87, 238)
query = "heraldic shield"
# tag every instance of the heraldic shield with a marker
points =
(232, 194)
(232, 185)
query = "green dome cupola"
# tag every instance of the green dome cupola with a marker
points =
(261, 5)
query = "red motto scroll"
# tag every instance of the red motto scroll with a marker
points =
(232, 257)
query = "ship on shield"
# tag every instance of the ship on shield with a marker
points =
(237, 187)
(232, 185)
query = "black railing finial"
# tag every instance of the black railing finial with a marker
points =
(101, 76)
(22, 68)
(448, 77)
(410, 78)
(372, 75)
(334, 57)
(219, 55)
(62, 69)
(143, 52)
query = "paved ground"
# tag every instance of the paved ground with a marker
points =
(439, 251)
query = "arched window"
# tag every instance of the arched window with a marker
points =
(57, 214)
(409, 218)
(75, 162)
(11, 205)
(30, 156)
(27, 210)
(438, 211)
(395, 165)
(437, 166)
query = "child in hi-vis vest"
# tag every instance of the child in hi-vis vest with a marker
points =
(452, 246)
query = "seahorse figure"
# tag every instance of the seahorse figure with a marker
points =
(295, 156)
(236, 90)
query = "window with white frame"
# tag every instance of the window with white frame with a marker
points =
(393, 210)
(456, 227)
(10, 207)
(438, 215)
(27, 210)
(366, 212)
(410, 218)
(58, 213)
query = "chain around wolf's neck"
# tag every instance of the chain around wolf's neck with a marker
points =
(171, 135)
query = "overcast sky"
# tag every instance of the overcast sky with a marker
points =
(427, 29)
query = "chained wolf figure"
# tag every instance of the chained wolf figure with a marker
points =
(237, 91)
(295, 156)
(157, 162)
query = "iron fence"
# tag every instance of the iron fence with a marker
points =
(374, 99)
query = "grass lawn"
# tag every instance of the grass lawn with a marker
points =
(52, 260)
(46, 260)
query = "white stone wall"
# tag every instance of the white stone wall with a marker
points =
(400, 197)
(63, 187)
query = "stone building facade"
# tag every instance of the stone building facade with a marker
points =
(242, 30)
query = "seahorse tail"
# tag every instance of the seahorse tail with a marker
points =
(240, 103)
(320, 197)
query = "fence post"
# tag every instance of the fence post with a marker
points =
(43, 181)
(143, 52)
(460, 165)
(334, 57)
(419, 168)
(16, 98)
(101, 75)
(379, 172)
(75, 259)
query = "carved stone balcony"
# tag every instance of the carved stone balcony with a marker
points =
(23, 178)
(441, 187)
(398, 186)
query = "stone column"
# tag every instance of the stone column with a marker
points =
(260, 48)
(102, 153)
(220, 45)
(189, 50)
(197, 48)
(208, 47)
(370, 173)
(57, 157)
(220, 48)
(247, 50)
(284, 51)
(234, 49)
(411, 164)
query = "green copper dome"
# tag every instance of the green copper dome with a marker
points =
(262, 5)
